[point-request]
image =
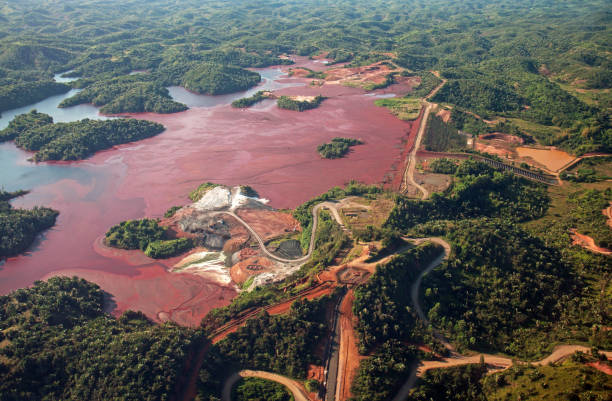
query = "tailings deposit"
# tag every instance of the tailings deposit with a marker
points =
(270, 149)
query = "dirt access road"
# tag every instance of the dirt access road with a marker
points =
(315, 222)
(411, 162)
(298, 392)
(494, 362)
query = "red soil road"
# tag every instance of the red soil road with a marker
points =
(271, 149)
(400, 163)
(348, 364)
(277, 309)
(601, 366)
(588, 243)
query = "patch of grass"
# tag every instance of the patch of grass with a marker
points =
(406, 109)
(590, 170)
(376, 215)
(247, 283)
(201, 190)
(254, 388)
(353, 254)
(337, 148)
(569, 381)
(170, 212)
(545, 134)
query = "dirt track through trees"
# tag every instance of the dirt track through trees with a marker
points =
(493, 362)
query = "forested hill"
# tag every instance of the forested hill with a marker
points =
(544, 63)
(76, 140)
(57, 343)
(19, 227)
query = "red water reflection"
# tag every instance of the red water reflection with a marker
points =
(270, 149)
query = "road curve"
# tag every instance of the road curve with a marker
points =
(414, 289)
(292, 385)
(315, 222)
(410, 165)
(494, 361)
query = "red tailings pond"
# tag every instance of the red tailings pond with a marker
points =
(270, 149)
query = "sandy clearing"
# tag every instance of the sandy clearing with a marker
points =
(444, 114)
(375, 73)
(269, 223)
(303, 98)
(551, 159)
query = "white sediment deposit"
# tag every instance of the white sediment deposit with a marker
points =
(206, 264)
(224, 198)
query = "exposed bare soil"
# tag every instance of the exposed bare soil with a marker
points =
(349, 353)
(444, 114)
(588, 243)
(372, 74)
(241, 271)
(549, 158)
(269, 224)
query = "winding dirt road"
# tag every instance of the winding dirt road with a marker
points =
(411, 163)
(315, 222)
(494, 362)
(292, 385)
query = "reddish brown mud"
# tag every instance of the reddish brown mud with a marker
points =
(272, 150)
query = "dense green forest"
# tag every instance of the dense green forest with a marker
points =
(383, 306)
(57, 343)
(23, 123)
(524, 59)
(21, 94)
(215, 79)
(249, 101)
(285, 102)
(522, 286)
(338, 147)
(148, 236)
(461, 383)
(442, 137)
(76, 140)
(516, 286)
(283, 344)
(19, 227)
(126, 96)
(380, 376)
(478, 190)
